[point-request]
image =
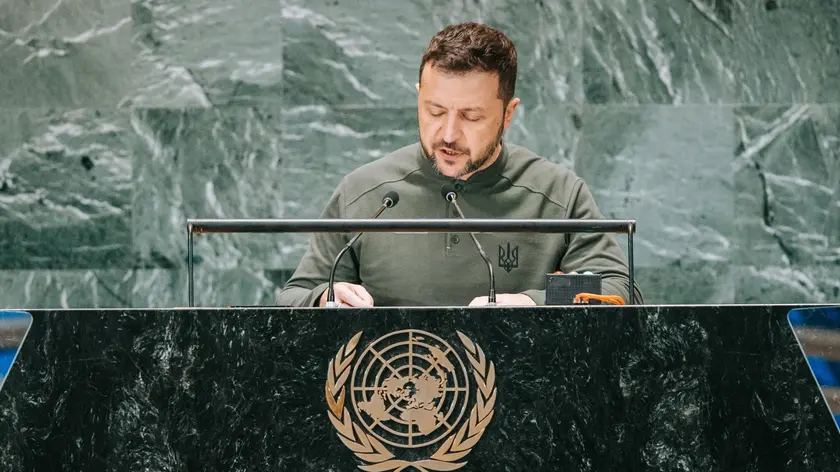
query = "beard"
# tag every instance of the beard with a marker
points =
(471, 165)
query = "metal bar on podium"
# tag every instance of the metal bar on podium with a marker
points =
(191, 295)
(430, 225)
(631, 229)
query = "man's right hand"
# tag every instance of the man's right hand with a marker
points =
(348, 295)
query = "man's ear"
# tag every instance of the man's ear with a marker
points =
(509, 109)
(417, 86)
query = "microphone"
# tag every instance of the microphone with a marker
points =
(449, 194)
(388, 201)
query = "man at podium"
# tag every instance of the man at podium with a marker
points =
(465, 103)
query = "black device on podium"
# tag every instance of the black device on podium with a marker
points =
(561, 289)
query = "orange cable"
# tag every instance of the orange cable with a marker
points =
(585, 297)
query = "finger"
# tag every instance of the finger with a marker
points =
(362, 293)
(347, 296)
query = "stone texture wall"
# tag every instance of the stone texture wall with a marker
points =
(714, 123)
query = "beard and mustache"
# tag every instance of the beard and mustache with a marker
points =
(471, 165)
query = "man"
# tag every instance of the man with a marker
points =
(465, 103)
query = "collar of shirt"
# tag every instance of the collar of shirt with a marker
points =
(482, 179)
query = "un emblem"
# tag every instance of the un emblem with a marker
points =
(409, 390)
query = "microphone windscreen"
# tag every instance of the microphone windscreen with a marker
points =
(447, 189)
(393, 196)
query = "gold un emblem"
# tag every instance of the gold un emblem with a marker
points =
(410, 390)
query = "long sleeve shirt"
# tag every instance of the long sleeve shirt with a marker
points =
(445, 269)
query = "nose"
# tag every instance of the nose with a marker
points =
(451, 128)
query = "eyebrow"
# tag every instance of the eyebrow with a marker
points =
(475, 109)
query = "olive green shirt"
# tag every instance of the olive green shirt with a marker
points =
(445, 269)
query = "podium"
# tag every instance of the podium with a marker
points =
(606, 388)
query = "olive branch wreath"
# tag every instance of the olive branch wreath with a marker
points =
(369, 449)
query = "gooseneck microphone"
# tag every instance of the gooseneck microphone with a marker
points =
(388, 201)
(449, 194)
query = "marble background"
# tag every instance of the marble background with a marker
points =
(714, 123)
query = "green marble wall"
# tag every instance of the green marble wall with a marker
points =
(714, 123)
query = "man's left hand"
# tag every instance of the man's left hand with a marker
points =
(506, 299)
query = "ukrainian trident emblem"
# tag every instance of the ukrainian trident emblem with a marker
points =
(508, 258)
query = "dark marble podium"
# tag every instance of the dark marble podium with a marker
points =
(679, 388)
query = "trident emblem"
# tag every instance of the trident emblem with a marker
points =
(508, 258)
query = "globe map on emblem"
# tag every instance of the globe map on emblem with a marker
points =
(410, 388)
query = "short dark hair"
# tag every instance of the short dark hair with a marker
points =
(468, 47)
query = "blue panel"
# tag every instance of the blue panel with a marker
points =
(6, 358)
(828, 317)
(14, 325)
(826, 372)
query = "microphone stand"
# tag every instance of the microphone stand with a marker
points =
(387, 203)
(491, 298)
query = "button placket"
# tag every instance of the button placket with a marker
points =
(452, 239)
(446, 236)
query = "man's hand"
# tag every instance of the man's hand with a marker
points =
(347, 294)
(506, 299)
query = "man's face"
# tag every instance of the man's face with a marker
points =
(462, 120)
